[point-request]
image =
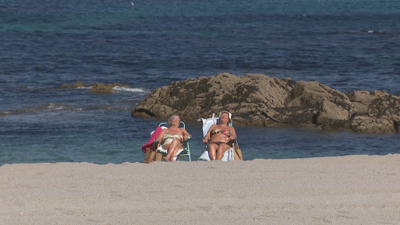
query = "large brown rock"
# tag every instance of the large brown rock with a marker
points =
(259, 100)
(331, 111)
(301, 117)
(386, 107)
(246, 97)
(365, 124)
(306, 93)
(362, 99)
(332, 104)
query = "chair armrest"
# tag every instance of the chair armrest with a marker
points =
(233, 142)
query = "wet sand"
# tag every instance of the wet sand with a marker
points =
(331, 190)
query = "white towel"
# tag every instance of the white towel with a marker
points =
(207, 123)
(160, 149)
(228, 156)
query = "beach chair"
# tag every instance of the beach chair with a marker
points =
(151, 148)
(231, 154)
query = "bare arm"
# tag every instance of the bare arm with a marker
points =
(186, 135)
(159, 138)
(208, 135)
(233, 135)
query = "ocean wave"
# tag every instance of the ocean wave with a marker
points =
(56, 107)
(379, 32)
(374, 32)
(108, 108)
(87, 88)
(117, 88)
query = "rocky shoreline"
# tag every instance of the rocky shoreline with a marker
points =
(264, 101)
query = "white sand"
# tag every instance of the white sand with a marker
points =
(334, 190)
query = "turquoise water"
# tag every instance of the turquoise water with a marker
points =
(347, 45)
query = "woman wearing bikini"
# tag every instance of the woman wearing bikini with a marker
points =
(171, 139)
(219, 136)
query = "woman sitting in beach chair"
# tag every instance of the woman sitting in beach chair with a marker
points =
(171, 139)
(219, 136)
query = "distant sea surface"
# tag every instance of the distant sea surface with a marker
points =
(345, 44)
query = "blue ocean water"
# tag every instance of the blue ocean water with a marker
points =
(346, 44)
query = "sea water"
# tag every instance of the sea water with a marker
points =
(345, 44)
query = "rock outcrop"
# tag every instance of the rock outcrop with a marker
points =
(78, 84)
(106, 88)
(259, 100)
(97, 87)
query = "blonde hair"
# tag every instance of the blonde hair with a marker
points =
(229, 115)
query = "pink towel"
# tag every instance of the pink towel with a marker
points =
(152, 139)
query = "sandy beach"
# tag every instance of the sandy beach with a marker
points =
(331, 190)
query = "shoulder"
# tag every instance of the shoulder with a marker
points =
(164, 131)
(184, 131)
(213, 126)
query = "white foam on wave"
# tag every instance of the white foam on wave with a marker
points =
(90, 87)
(377, 32)
(117, 88)
(53, 106)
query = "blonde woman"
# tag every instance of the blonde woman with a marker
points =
(219, 136)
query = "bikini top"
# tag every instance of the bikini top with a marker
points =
(218, 131)
(173, 136)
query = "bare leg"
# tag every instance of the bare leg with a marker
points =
(166, 147)
(222, 148)
(172, 150)
(175, 146)
(212, 151)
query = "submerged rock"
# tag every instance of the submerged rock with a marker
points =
(106, 88)
(259, 100)
(76, 85)
(97, 87)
